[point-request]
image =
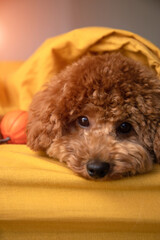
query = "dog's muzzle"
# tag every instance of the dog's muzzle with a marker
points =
(97, 169)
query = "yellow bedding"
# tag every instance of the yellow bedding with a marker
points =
(41, 198)
(57, 52)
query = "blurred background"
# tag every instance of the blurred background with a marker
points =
(26, 24)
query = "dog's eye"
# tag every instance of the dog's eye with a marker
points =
(83, 121)
(125, 127)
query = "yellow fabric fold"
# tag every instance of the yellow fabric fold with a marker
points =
(57, 52)
(40, 196)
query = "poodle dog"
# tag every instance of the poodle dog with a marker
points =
(100, 116)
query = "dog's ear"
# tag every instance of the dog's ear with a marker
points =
(43, 123)
(52, 108)
(156, 144)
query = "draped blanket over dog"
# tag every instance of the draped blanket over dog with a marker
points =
(58, 52)
(42, 199)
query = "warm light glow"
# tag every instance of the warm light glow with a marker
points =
(0, 36)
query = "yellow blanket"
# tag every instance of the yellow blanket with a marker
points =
(60, 51)
(41, 198)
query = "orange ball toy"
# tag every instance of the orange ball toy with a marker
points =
(13, 127)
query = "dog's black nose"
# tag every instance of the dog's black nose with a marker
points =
(97, 169)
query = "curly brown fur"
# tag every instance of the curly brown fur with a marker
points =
(119, 100)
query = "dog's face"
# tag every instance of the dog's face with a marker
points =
(99, 144)
(103, 122)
